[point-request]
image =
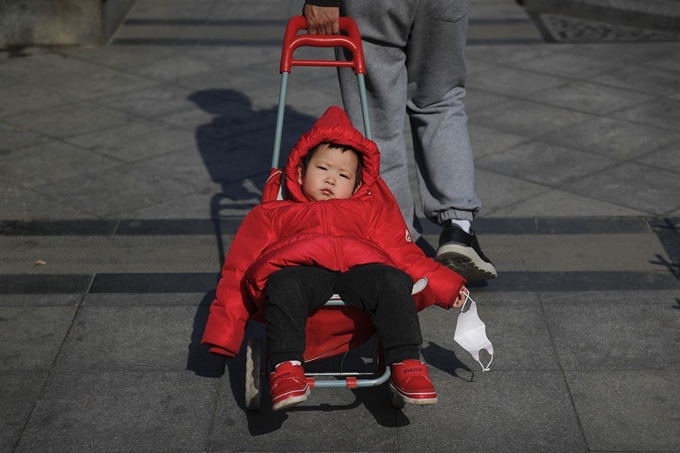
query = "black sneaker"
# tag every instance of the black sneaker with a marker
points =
(460, 252)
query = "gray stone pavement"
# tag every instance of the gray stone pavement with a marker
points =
(125, 171)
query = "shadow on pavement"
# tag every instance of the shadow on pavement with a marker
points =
(445, 360)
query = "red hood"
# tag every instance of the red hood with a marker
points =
(333, 126)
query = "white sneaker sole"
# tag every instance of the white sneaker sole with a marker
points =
(465, 261)
(292, 401)
(398, 399)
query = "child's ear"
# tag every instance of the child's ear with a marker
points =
(356, 188)
(301, 171)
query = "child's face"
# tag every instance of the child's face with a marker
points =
(331, 173)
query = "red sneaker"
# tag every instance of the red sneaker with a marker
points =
(410, 383)
(288, 386)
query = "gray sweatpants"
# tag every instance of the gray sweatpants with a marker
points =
(415, 64)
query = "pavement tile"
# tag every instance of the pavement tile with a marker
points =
(235, 58)
(74, 77)
(628, 52)
(211, 163)
(221, 121)
(23, 98)
(624, 252)
(512, 82)
(173, 68)
(589, 98)
(133, 189)
(121, 411)
(629, 410)
(139, 338)
(123, 58)
(667, 63)
(83, 255)
(20, 391)
(544, 163)
(474, 65)
(71, 120)
(566, 64)
(515, 325)
(660, 113)
(14, 137)
(634, 186)
(478, 100)
(52, 162)
(613, 138)
(667, 158)
(497, 411)
(200, 9)
(490, 141)
(19, 203)
(498, 191)
(248, 81)
(39, 300)
(257, 12)
(527, 118)
(614, 330)
(158, 101)
(513, 53)
(214, 201)
(144, 300)
(641, 79)
(32, 336)
(557, 203)
(136, 141)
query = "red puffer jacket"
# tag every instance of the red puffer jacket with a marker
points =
(335, 234)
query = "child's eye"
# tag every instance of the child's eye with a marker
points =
(344, 176)
(321, 168)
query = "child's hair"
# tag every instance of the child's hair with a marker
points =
(343, 148)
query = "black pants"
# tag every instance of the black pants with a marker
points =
(383, 291)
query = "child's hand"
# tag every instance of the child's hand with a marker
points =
(460, 300)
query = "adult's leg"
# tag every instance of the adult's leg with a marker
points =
(292, 293)
(385, 293)
(384, 27)
(436, 79)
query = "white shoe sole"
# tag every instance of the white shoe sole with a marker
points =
(465, 261)
(398, 399)
(292, 401)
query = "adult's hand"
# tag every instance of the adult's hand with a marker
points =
(322, 20)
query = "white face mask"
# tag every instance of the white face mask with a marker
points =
(471, 333)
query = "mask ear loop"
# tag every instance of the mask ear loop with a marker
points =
(467, 298)
(487, 367)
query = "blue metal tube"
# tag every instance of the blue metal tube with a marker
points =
(279, 120)
(364, 106)
(361, 383)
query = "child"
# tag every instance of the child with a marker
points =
(340, 231)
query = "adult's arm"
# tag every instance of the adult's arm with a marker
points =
(322, 17)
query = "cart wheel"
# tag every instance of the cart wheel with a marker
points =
(397, 401)
(253, 373)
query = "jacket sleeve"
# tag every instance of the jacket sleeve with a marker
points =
(390, 232)
(231, 308)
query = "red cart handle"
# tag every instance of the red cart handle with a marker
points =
(352, 42)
